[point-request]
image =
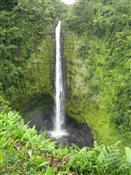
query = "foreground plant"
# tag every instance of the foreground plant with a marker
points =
(24, 151)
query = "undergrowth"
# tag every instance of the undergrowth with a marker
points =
(24, 151)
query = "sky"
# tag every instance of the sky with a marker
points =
(68, 1)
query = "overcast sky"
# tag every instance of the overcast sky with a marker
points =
(68, 1)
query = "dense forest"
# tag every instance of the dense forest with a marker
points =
(100, 64)
(96, 62)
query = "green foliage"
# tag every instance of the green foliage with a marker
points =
(8, 4)
(19, 150)
(121, 110)
(98, 80)
(25, 29)
(23, 151)
(4, 104)
(128, 154)
(50, 171)
(100, 70)
(100, 160)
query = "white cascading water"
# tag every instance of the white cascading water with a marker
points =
(59, 131)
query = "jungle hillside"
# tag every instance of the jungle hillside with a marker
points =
(65, 87)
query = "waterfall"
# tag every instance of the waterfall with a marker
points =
(59, 120)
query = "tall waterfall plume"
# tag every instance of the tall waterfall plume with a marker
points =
(59, 120)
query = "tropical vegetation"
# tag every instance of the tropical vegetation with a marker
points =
(96, 49)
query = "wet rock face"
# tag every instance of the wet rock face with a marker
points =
(79, 133)
(40, 118)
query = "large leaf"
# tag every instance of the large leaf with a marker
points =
(128, 154)
(50, 171)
